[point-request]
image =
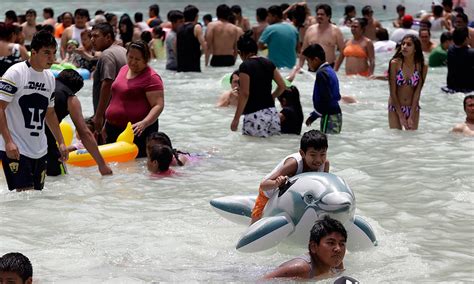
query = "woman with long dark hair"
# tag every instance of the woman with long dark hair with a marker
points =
(256, 100)
(407, 73)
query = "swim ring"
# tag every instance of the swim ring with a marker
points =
(57, 68)
(225, 82)
(121, 151)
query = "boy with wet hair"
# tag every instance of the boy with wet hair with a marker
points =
(310, 158)
(327, 247)
(15, 268)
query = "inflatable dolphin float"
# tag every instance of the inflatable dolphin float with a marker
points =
(289, 215)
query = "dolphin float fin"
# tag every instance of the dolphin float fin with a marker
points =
(360, 235)
(237, 209)
(265, 233)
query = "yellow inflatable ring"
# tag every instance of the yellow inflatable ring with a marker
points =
(121, 151)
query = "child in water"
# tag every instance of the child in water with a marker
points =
(231, 97)
(160, 138)
(291, 115)
(159, 158)
(310, 158)
(78, 145)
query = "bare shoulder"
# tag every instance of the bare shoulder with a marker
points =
(295, 268)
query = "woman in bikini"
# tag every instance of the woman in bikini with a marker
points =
(359, 51)
(407, 73)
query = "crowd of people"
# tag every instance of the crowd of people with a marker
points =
(127, 89)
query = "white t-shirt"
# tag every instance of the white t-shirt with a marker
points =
(384, 46)
(29, 94)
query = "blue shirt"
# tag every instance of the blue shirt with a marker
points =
(326, 94)
(281, 40)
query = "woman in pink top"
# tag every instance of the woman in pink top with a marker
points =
(137, 96)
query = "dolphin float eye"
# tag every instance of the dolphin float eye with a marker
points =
(308, 198)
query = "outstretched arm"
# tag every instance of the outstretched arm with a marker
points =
(53, 124)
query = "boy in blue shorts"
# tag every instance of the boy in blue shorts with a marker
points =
(310, 158)
(326, 94)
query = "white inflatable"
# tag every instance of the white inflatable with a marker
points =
(290, 215)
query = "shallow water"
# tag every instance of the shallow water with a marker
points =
(415, 189)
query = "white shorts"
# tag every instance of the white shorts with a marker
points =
(262, 123)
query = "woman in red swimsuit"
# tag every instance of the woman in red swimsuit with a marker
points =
(407, 73)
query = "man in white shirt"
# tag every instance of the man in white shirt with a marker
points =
(398, 34)
(26, 102)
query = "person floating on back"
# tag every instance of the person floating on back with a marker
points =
(310, 158)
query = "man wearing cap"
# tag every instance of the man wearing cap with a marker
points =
(398, 34)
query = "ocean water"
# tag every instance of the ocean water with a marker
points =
(414, 188)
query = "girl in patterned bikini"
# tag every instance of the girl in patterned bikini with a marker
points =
(407, 73)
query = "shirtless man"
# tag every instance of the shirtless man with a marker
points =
(327, 247)
(461, 21)
(81, 17)
(240, 21)
(48, 15)
(221, 38)
(328, 35)
(262, 23)
(373, 25)
(425, 38)
(467, 128)
(29, 27)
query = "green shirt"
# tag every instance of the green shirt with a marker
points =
(438, 57)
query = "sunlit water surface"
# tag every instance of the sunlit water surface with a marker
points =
(415, 189)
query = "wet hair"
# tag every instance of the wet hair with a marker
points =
(424, 24)
(424, 29)
(175, 15)
(400, 8)
(366, 10)
(72, 79)
(362, 22)
(223, 12)
(292, 97)
(325, 227)
(6, 31)
(30, 11)
(438, 10)
(17, 263)
(262, 14)
(162, 139)
(43, 39)
(459, 10)
(275, 11)
(208, 17)
(48, 28)
(82, 13)
(236, 9)
(460, 35)
(448, 3)
(90, 123)
(464, 102)
(10, 14)
(99, 12)
(49, 11)
(126, 36)
(155, 9)
(146, 36)
(246, 44)
(236, 72)
(138, 17)
(445, 36)
(463, 17)
(190, 12)
(299, 16)
(349, 9)
(419, 57)
(163, 154)
(109, 17)
(326, 8)
(105, 29)
(141, 46)
(315, 50)
(381, 34)
(313, 138)
(284, 6)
